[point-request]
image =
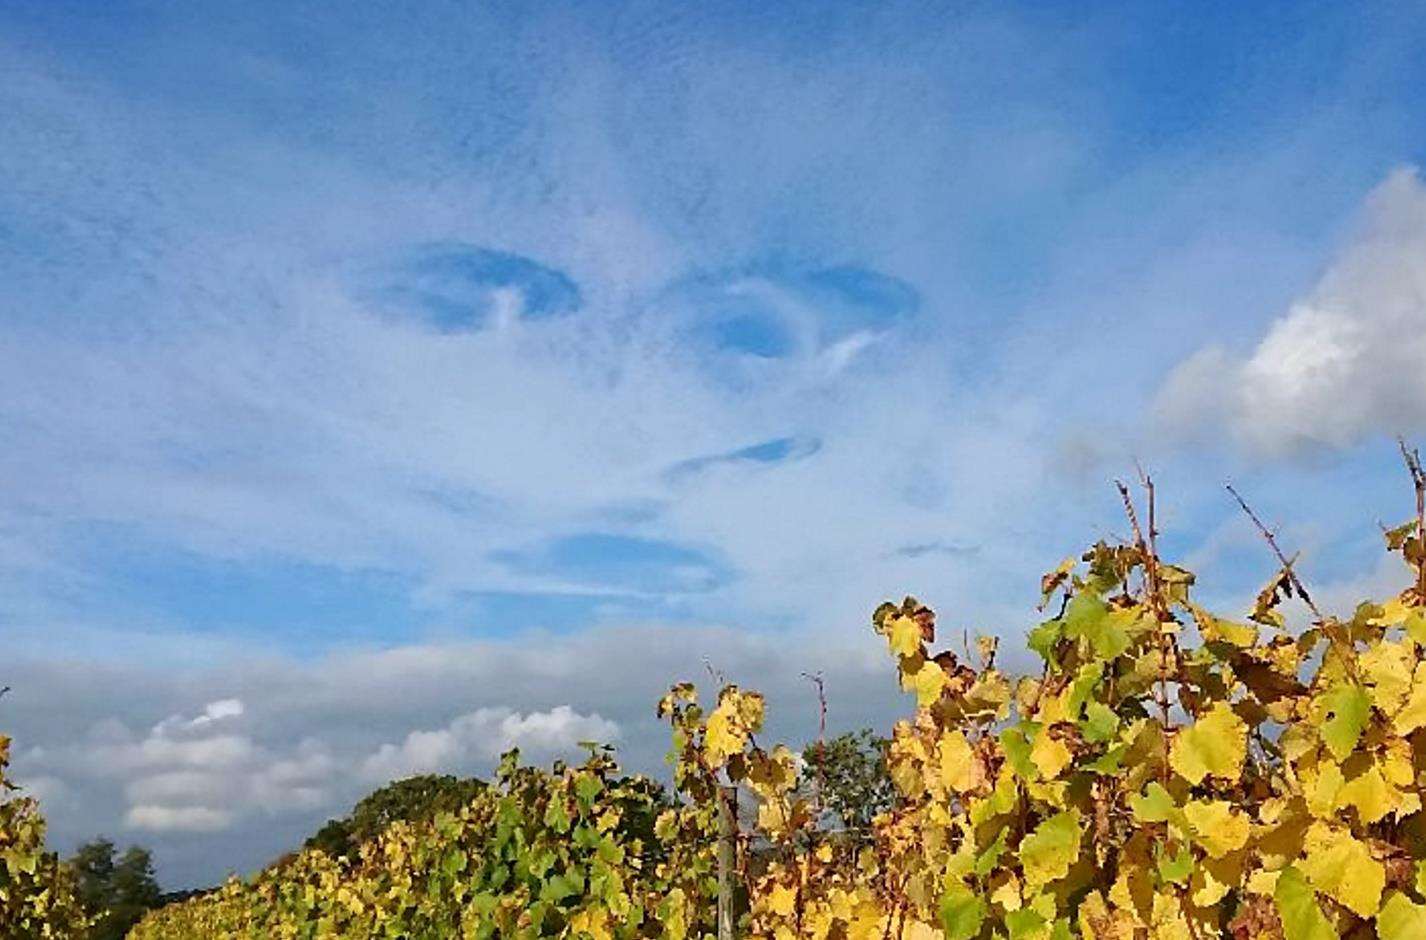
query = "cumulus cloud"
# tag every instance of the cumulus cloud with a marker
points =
(214, 711)
(189, 774)
(206, 774)
(474, 739)
(313, 737)
(573, 329)
(159, 818)
(1343, 363)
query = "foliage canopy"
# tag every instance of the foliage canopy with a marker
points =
(1169, 773)
(37, 892)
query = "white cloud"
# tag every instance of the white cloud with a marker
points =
(475, 739)
(315, 736)
(216, 711)
(1344, 363)
(196, 774)
(159, 818)
(182, 360)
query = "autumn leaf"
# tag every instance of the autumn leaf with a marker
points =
(1214, 745)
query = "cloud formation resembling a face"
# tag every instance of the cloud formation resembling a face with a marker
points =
(1346, 362)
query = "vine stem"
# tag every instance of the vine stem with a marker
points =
(1418, 482)
(821, 781)
(1333, 630)
(1149, 549)
(1287, 563)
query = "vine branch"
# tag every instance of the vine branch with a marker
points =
(821, 782)
(1287, 563)
(1412, 457)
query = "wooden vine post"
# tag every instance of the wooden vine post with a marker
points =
(727, 861)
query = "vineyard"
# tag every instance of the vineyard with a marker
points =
(1168, 773)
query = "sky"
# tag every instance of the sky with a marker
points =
(383, 386)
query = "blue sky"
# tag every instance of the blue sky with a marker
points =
(382, 386)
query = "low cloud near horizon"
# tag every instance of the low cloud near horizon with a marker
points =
(292, 743)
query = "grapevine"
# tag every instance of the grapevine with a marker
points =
(1168, 774)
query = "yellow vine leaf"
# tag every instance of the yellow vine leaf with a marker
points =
(738, 713)
(773, 818)
(592, 922)
(1339, 865)
(1049, 755)
(1324, 789)
(961, 768)
(1369, 792)
(1168, 921)
(1387, 669)
(1396, 613)
(1213, 746)
(1262, 882)
(1007, 892)
(781, 900)
(928, 682)
(1413, 712)
(1217, 827)
(1213, 878)
(904, 635)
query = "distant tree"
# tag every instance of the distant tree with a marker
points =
(412, 799)
(114, 891)
(851, 773)
(93, 866)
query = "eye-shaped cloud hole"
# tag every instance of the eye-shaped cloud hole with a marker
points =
(454, 287)
(779, 450)
(617, 564)
(774, 311)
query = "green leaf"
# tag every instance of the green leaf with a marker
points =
(1401, 919)
(1085, 682)
(986, 860)
(1155, 805)
(454, 863)
(1176, 869)
(1025, 924)
(1346, 708)
(1087, 617)
(1047, 853)
(1297, 906)
(587, 787)
(962, 913)
(1017, 750)
(1099, 723)
(1108, 764)
(1043, 639)
(556, 816)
